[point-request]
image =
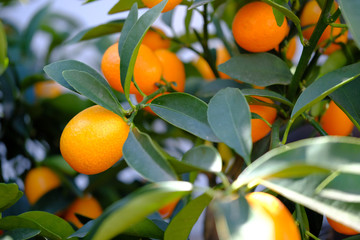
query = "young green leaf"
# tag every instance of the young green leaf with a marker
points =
(95, 90)
(10, 194)
(136, 207)
(181, 225)
(125, 5)
(246, 68)
(350, 10)
(141, 154)
(4, 60)
(323, 87)
(174, 108)
(230, 119)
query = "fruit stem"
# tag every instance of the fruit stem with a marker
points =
(224, 180)
(312, 235)
(315, 124)
(309, 48)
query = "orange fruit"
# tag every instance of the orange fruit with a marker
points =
(335, 122)
(308, 19)
(171, 4)
(92, 141)
(290, 48)
(39, 181)
(340, 228)
(173, 72)
(86, 206)
(167, 210)
(259, 128)
(47, 89)
(147, 69)
(222, 55)
(278, 217)
(255, 29)
(156, 39)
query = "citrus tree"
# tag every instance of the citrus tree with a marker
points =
(276, 138)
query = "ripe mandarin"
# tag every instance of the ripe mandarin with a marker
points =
(171, 4)
(335, 121)
(39, 181)
(47, 89)
(156, 39)
(167, 210)
(278, 217)
(340, 228)
(255, 29)
(147, 69)
(92, 141)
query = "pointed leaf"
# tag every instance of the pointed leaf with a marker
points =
(266, 93)
(131, 44)
(124, 5)
(181, 225)
(229, 117)
(137, 206)
(142, 155)
(324, 86)
(90, 87)
(350, 10)
(174, 108)
(246, 68)
(10, 194)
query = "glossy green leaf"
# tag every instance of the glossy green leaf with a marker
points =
(303, 191)
(93, 89)
(181, 225)
(350, 10)
(230, 119)
(51, 226)
(55, 70)
(175, 109)
(129, 23)
(124, 5)
(145, 228)
(200, 158)
(209, 89)
(324, 86)
(310, 156)
(266, 93)
(348, 97)
(10, 194)
(4, 60)
(98, 31)
(261, 69)
(136, 206)
(141, 154)
(131, 44)
(22, 233)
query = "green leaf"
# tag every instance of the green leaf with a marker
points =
(335, 60)
(4, 60)
(145, 228)
(303, 191)
(131, 44)
(198, 3)
(350, 11)
(10, 194)
(209, 89)
(137, 206)
(175, 109)
(98, 31)
(230, 119)
(129, 23)
(59, 163)
(55, 70)
(124, 5)
(51, 226)
(92, 88)
(142, 155)
(200, 158)
(22, 233)
(261, 69)
(266, 93)
(347, 97)
(323, 87)
(298, 159)
(181, 225)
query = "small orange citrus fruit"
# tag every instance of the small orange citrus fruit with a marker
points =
(340, 228)
(335, 121)
(259, 128)
(147, 69)
(167, 210)
(87, 206)
(156, 39)
(171, 4)
(255, 29)
(93, 140)
(47, 89)
(276, 214)
(39, 181)
(290, 48)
